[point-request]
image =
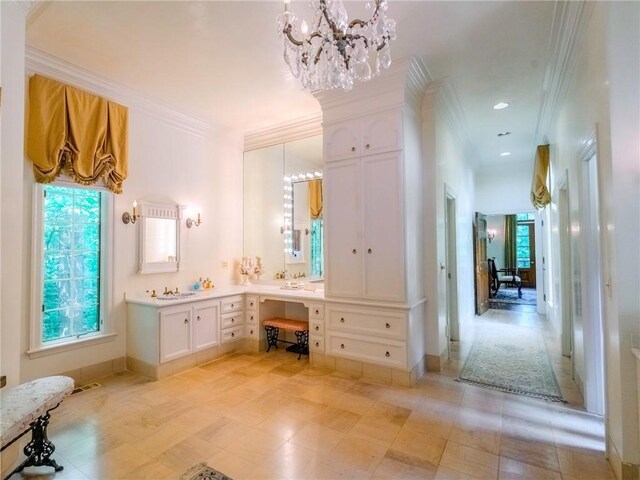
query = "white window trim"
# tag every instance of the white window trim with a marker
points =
(106, 332)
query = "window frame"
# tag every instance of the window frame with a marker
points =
(37, 347)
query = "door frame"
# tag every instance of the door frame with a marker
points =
(564, 267)
(476, 265)
(451, 279)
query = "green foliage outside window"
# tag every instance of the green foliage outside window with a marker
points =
(71, 262)
(317, 255)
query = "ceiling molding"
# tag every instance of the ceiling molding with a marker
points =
(291, 130)
(42, 63)
(25, 6)
(570, 21)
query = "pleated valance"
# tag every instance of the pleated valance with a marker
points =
(315, 198)
(79, 132)
(540, 196)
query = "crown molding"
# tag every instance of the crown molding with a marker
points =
(570, 21)
(42, 63)
(303, 127)
(25, 6)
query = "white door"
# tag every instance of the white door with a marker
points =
(206, 326)
(343, 231)
(383, 249)
(175, 333)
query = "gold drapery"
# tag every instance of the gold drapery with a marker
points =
(540, 196)
(510, 226)
(315, 198)
(73, 130)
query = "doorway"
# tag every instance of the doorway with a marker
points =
(453, 325)
(481, 277)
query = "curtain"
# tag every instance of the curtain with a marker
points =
(510, 226)
(315, 198)
(73, 130)
(540, 196)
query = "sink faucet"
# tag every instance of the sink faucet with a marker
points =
(167, 291)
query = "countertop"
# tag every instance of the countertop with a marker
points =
(272, 291)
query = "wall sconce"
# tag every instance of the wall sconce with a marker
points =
(191, 222)
(491, 234)
(128, 218)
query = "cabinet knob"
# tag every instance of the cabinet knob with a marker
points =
(251, 317)
(317, 312)
(317, 344)
(186, 320)
(233, 306)
(353, 149)
(233, 320)
(342, 346)
(387, 325)
(251, 304)
(387, 354)
(317, 328)
(369, 251)
(341, 319)
(233, 334)
(367, 146)
(354, 251)
(198, 318)
(251, 332)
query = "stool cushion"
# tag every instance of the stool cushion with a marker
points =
(24, 403)
(286, 324)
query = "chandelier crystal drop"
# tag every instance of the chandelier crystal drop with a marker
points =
(332, 52)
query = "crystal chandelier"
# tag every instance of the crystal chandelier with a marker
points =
(335, 51)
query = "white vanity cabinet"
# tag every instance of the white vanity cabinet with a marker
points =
(364, 230)
(206, 330)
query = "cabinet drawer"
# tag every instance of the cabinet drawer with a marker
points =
(252, 331)
(251, 318)
(231, 304)
(316, 343)
(232, 334)
(316, 328)
(316, 311)
(392, 354)
(390, 325)
(231, 320)
(251, 303)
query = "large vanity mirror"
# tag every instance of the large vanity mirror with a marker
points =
(283, 209)
(159, 238)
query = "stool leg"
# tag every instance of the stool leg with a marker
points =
(272, 337)
(303, 342)
(39, 449)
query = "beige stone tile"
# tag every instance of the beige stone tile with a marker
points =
(410, 444)
(231, 465)
(290, 461)
(539, 454)
(392, 468)
(533, 429)
(336, 419)
(470, 461)
(579, 465)
(357, 453)
(117, 463)
(513, 470)
(446, 473)
(255, 445)
(317, 437)
(154, 470)
(479, 429)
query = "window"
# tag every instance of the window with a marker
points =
(69, 265)
(317, 255)
(524, 231)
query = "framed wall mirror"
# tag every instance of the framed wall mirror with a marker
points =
(283, 209)
(159, 242)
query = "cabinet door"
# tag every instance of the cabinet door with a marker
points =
(383, 245)
(175, 333)
(206, 326)
(381, 132)
(342, 141)
(343, 231)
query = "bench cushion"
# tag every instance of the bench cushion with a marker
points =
(286, 324)
(509, 278)
(22, 404)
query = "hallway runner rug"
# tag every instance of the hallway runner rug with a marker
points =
(512, 359)
(510, 295)
(202, 471)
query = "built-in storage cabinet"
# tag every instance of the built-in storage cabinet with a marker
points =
(377, 133)
(175, 332)
(232, 319)
(206, 325)
(364, 232)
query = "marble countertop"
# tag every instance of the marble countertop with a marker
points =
(272, 291)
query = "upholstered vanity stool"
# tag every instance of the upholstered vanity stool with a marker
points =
(300, 328)
(26, 408)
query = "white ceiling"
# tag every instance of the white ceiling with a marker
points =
(223, 60)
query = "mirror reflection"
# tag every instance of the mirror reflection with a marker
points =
(160, 240)
(283, 209)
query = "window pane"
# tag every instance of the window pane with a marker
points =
(523, 253)
(522, 230)
(522, 241)
(524, 264)
(71, 262)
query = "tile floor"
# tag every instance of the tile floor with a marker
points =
(269, 416)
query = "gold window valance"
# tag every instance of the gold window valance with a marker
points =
(315, 198)
(77, 131)
(540, 196)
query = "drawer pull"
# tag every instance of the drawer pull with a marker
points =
(342, 346)
(233, 334)
(369, 251)
(341, 319)
(251, 304)
(387, 354)
(367, 146)
(251, 332)
(186, 320)
(233, 306)
(353, 149)
(198, 318)
(317, 344)
(251, 317)
(317, 328)
(317, 312)
(233, 320)
(387, 325)
(354, 251)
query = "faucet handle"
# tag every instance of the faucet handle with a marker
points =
(153, 293)
(176, 290)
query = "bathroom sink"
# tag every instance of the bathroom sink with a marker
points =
(177, 296)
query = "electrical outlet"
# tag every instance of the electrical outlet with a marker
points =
(225, 265)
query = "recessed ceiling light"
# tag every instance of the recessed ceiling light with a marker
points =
(500, 106)
(502, 134)
(505, 154)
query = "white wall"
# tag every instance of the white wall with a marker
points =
(167, 162)
(604, 93)
(495, 248)
(504, 188)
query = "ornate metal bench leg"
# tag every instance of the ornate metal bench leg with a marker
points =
(39, 449)
(272, 337)
(303, 342)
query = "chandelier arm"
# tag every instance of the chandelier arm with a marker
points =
(330, 22)
(384, 43)
(363, 23)
(292, 39)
